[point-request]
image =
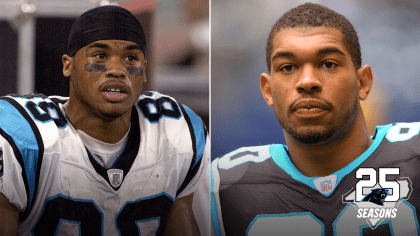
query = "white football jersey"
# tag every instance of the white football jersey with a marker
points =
(59, 188)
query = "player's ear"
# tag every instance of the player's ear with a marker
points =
(144, 69)
(67, 64)
(266, 89)
(365, 78)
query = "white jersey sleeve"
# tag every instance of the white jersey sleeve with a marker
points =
(11, 182)
(185, 137)
(201, 154)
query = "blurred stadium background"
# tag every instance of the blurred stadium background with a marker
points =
(389, 34)
(34, 34)
(34, 37)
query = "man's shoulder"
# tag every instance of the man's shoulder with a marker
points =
(397, 140)
(246, 164)
(167, 115)
(31, 123)
(156, 106)
(30, 112)
(29, 101)
(399, 132)
(160, 113)
(243, 155)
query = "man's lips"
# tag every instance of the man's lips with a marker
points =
(309, 106)
(114, 87)
(114, 91)
(114, 96)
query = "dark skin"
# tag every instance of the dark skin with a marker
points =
(96, 71)
(179, 218)
(9, 217)
(316, 92)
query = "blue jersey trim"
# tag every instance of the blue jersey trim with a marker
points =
(14, 124)
(334, 224)
(200, 139)
(414, 213)
(214, 213)
(69, 221)
(282, 159)
(145, 220)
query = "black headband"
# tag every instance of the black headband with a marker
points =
(102, 23)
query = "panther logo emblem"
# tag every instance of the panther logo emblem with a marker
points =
(376, 196)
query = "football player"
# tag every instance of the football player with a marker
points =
(108, 160)
(315, 185)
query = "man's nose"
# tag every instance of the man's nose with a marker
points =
(115, 68)
(309, 80)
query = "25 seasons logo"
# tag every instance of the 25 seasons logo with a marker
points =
(378, 197)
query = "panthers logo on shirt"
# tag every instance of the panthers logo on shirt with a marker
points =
(380, 202)
(277, 199)
(377, 196)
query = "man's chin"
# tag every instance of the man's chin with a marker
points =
(113, 113)
(311, 136)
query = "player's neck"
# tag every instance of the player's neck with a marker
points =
(325, 159)
(105, 130)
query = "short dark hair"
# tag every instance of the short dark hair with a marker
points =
(315, 15)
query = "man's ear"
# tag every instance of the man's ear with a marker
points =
(365, 78)
(67, 64)
(144, 78)
(144, 73)
(266, 89)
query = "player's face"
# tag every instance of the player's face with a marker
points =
(107, 76)
(313, 87)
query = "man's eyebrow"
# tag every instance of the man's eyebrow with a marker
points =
(330, 50)
(132, 47)
(99, 45)
(319, 53)
(283, 54)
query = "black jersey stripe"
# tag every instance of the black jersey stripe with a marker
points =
(126, 159)
(19, 157)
